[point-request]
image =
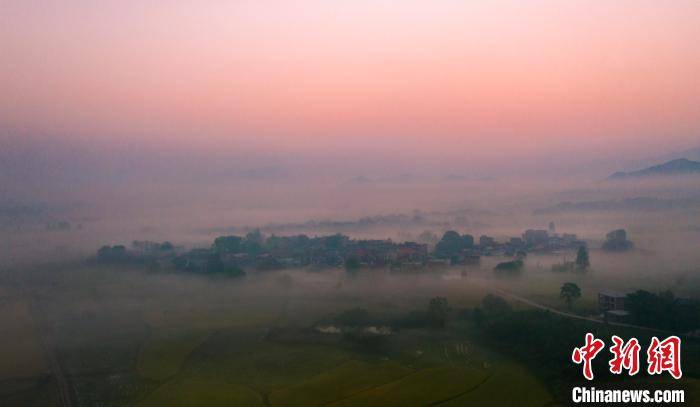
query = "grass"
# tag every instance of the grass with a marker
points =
(244, 358)
(165, 350)
(509, 385)
(341, 382)
(21, 355)
(421, 388)
(188, 392)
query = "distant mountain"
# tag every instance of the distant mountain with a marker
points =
(629, 204)
(673, 167)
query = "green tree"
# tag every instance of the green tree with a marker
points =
(230, 244)
(450, 245)
(352, 265)
(569, 293)
(214, 264)
(438, 312)
(234, 271)
(582, 261)
(495, 305)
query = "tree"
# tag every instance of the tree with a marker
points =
(352, 264)
(112, 254)
(104, 253)
(450, 245)
(231, 244)
(234, 271)
(214, 264)
(495, 305)
(509, 269)
(438, 311)
(569, 293)
(167, 246)
(582, 261)
(335, 242)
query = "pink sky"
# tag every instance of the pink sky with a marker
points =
(450, 77)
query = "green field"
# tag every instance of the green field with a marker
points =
(199, 392)
(172, 340)
(164, 352)
(21, 355)
(509, 385)
(344, 381)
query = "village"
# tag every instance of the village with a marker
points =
(237, 255)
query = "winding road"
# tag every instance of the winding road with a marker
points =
(518, 298)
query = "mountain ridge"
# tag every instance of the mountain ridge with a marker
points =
(673, 167)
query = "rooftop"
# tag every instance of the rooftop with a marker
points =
(611, 293)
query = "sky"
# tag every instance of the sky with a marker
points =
(489, 82)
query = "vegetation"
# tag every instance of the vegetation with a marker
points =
(438, 312)
(21, 353)
(352, 264)
(258, 341)
(569, 293)
(495, 306)
(343, 382)
(509, 267)
(204, 392)
(452, 244)
(663, 311)
(582, 261)
(112, 253)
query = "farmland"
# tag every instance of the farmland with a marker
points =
(173, 339)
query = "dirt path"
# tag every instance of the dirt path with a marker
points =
(518, 298)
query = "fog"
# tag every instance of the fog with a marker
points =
(456, 181)
(105, 325)
(656, 212)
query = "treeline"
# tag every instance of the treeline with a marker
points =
(544, 342)
(663, 311)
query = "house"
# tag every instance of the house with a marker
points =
(472, 259)
(535, 238)
(411, 252)
(611, 301)
(486, 241)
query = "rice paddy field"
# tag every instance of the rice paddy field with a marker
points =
(122, 337)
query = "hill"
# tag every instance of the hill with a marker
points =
(673, 167)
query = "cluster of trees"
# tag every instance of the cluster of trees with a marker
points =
(543, 341)
(452, 244)
(582, 262)
(438, 312)
(663, 311)
(509, 267)
(253, 243)
(111, 254)
(436, 316)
